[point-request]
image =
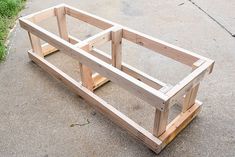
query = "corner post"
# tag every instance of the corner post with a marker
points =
(191, 95)
(61, 21)
(35, 43)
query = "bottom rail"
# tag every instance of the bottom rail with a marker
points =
(119, 118)
(154, 143)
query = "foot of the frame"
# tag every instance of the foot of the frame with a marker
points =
(119, 118)
(48, 49)
(178, 124)
(99, 81)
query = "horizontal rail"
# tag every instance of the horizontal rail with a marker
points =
(96, 40)
(189, 81)
(168, 50)
(116, 116)
(43, 14)
(176, 53)
(88, 18)
(138, 88)
(139, 75)
(179, 123)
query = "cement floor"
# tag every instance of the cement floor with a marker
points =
(36, 111)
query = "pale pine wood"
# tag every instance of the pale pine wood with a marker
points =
(138, 88)
(96, 40)
(61, 22)
(117, 48)
(179, 123)
(41, 15)
(160, 122)
(137, 74)
(191, 95)
(176, 93)
(88, 18)
(98, 81)
(159, 47)
(48, 49)
(190, 98)
(86, 76)
(119, 118)
(135, 81)
(36, 44)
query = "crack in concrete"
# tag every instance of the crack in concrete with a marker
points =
(221, 25)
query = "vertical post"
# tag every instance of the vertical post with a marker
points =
(117, 47)
(190, 98)
(191, 95)
(86, 73)
(86, 76)
(35, 43)
(160, 122)
(61, 21)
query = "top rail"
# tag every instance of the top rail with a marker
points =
(140, 89)
(176, 53)
(146, 92)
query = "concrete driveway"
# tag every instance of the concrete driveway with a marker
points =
(37, 112)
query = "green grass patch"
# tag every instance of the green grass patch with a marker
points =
(9, 10)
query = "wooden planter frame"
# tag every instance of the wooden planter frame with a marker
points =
(111, 68)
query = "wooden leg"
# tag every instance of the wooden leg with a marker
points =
(86, 77)
(117, 48)
(61, 21)
(190, 98)
(179, 123)
(36, 44)
(160, 122)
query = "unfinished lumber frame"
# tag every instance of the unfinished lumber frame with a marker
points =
(160, 95)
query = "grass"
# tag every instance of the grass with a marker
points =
(9, 10)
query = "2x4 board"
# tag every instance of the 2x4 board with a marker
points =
(111, 68)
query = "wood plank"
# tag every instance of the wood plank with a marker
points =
(96, 40)
(138, 88)
(73, 40)
(166, 49)
(190, 81)
(160, 122)
(99, 81)
(143, 77)
(116, 116)
(86, 76)
(48, 49)
(41, 15)
(137, 74)
(35, 44)
(179, 123)
(61, 22)
(88, 18)
(117, 48)
(190, 96)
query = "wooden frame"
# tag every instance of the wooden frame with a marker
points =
(111, 68)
